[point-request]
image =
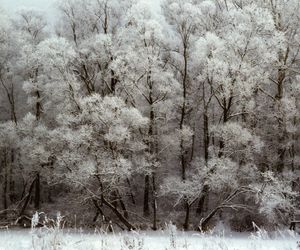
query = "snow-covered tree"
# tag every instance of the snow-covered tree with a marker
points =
(100, 148)
(135, 110)
(147, 83)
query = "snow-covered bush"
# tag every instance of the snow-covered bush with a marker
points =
(50, 236)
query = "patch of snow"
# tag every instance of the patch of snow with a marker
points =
(161, 240)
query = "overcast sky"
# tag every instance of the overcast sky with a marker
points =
(46, 5)
(12, 5)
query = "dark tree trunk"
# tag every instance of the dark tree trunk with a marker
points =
(187, 216)
(113, 82)
(131, 193)
(183, 110)
(123, 206)
(104, 218)
(119, 215)
(38, 107)
(27, 198)
(37, 193)
(202, 199)
(146, 209)
(206, 135)
(205, 190)
(154, 203)
(5, 181)
(226, 116)
(281, 77)
(204, 222)
(11, 179)
(150, 146)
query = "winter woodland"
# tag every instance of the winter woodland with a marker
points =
(131, 117)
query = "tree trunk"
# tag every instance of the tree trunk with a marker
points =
(154, 203)
(119, 215)
(226, 115)
(5, 181)
(146, 196)
(104, 218)
(27, 199)
(123, 206)
(38, 110)
(183, 111)
(131, 194)
(150, 148)
(11, 179)
(187, 216)
(202, 200)
(281, 76)
(37, 193)
(113, 82)
(206, 146)
(206, 135)
(204, 222)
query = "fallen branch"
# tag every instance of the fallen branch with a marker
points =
(225, 204)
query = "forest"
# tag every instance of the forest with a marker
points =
(127, 116)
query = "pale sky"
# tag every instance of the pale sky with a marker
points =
(12, 5)
(45, 5)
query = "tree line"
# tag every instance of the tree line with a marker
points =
(138, 115)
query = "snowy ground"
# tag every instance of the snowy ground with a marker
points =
(167, 240)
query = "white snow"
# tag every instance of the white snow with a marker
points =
(163, 240)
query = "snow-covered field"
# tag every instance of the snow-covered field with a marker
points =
(164, 240)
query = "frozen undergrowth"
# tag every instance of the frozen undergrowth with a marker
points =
(23, 240)
(54, 237)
